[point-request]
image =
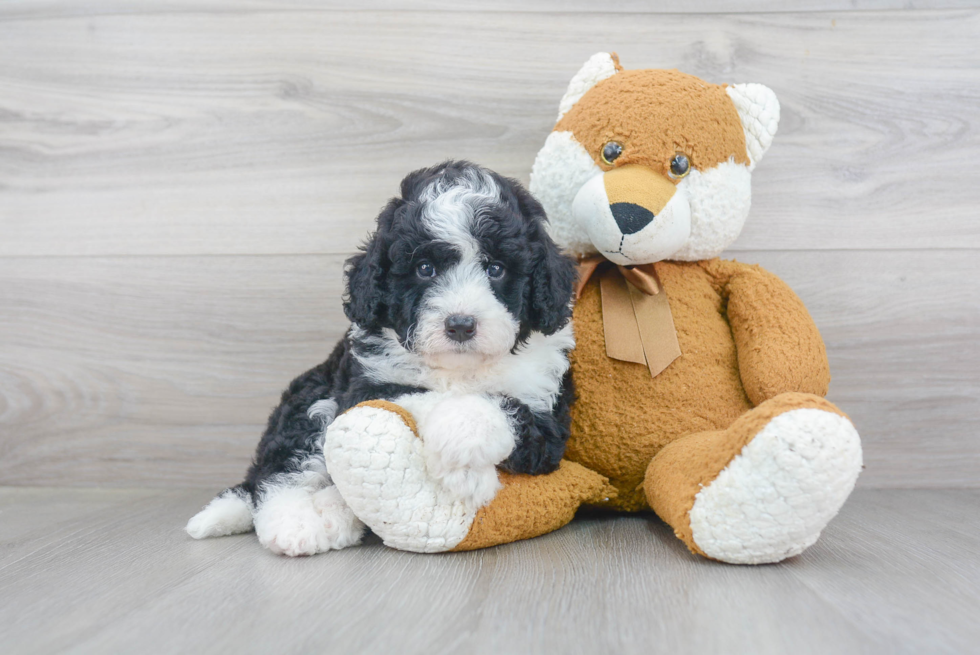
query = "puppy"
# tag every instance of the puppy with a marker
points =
(459, 306)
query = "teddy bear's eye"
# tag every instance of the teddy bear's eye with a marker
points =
(680, 166)
(611, 151)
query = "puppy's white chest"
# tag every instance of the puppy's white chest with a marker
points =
(532, 375)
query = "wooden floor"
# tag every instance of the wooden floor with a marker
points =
(110, 571)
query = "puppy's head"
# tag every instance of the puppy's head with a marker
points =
(460, 268)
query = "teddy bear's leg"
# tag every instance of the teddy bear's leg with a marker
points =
(763, 489)
(375, 458)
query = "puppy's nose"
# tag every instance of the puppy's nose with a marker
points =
(460, 327)
(631, 218)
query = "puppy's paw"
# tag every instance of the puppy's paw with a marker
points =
(343, 528)
(292, 521)
(464, 438)
(468, 431)
(477, 486)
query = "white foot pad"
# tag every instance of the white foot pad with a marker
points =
(774, 498)
(378, 464)
(293, 521)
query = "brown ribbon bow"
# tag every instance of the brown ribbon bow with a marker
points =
(636, 320)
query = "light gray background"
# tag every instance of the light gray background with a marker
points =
(180, 183)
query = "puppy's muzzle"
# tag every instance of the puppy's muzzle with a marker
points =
(460, 327)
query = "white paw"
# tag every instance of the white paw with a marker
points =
(338, 519)
(467, 431)
(292, 521)
(464, 438)
(476, 485)
(774, 498)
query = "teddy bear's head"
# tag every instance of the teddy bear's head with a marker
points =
(647, 165)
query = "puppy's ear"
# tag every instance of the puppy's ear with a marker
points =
(365, 274)
(552, 273)
(552, 285)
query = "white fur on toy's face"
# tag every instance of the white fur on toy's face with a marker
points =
(660, 239)
(704, 215)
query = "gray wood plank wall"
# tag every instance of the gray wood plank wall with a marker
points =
(180, 183)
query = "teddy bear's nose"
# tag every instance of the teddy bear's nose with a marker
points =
(630, 217)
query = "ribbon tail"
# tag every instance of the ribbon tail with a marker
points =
(637, 323)
(619, 321)
(656, 328)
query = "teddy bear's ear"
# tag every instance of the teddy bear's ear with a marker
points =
(758, 109)
(599, 66)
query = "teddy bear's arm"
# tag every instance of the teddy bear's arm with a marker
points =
(378, 463)
(779, 347)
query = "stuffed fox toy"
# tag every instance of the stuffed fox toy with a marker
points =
(700, 381)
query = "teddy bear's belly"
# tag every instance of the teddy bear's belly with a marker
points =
(623, 417)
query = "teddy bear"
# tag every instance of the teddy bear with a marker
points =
(700, 381)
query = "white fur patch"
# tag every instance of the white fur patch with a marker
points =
(561, 168)
(758, 109)
(774, 498)
(720, 199)
(228, 513)
(532, 374)
(293, 521)
(453, 209)
(599, 67)
(379, 468)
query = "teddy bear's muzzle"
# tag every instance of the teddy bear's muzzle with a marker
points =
(633, 215)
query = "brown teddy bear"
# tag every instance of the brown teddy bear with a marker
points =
(700, 381)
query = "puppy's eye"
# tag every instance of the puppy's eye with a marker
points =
(680, 166)
(425, 270)
(611, 152)
(495, 271)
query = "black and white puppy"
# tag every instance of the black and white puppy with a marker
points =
(459, 306)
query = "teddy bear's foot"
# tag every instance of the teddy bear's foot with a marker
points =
(763, 489)
(378, 464)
